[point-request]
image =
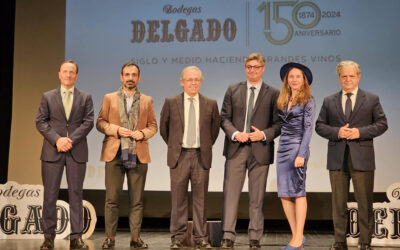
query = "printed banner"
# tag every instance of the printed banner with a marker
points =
(21, 213)
(386, 220)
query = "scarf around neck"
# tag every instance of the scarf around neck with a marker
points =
(129, 121)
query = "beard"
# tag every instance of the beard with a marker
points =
(130, 85)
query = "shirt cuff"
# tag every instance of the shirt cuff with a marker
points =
(233, 136)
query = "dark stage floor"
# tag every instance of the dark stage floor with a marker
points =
(161, 240)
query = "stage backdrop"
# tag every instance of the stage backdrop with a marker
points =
(165, 36)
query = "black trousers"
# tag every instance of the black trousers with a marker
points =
(363, 183)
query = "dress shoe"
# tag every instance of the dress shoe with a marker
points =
(365, 246)
(227, 243)
(77, 244)
(203, 245)
(47, 244)
(292, 247)
(289, 247)
(254, 244)
(108, 243)
(176, 245)
(139, 244)
(339, 246)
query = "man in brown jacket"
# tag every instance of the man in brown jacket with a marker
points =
(128, 120)
(189, 125)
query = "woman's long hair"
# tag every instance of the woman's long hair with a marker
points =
(303, 96)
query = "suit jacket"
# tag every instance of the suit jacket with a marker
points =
(53, 124)
(172, 125)
(265, 118)
(367, 116)
(109, 121)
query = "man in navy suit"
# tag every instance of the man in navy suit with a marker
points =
(350, 120)
(65, 118)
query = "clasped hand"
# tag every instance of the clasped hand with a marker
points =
(124, 132)
(64, 144)
(349, 133)
(256, 135)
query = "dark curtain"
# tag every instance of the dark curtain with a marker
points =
(7, 17)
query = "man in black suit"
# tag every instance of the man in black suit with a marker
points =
(350, 120)
(189, 125)
(65, 118)
(250, 121)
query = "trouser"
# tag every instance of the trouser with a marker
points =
(51, 176)
(189, 167)
(235, 175)
(114, 179)
(363, 183)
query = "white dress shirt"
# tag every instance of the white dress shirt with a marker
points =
(186, 104)
(353, 98)
(63, 93)
(129, 101)
(256, 92)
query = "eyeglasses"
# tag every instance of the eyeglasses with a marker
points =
(249, 67)
(190, 80)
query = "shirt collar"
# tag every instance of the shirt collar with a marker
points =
(126, 94)
(63, 90)
(257, 86)
(186, 96)
(354, 92)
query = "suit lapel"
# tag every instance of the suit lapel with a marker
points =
(243, 98)
(338, 102)
(141, 109)
(59, 102)
(75, 102)
(261, 94)
(359, 102)
(202, 109)
(179, 103)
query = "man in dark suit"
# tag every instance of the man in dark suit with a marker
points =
(189, 124)
(65, 118)
(350, 120)
(250, 122)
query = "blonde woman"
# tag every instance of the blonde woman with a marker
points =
(296, 112)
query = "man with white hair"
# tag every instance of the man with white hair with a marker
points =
(189, 125)
(350, 120)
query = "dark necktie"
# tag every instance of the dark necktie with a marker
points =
(191, 134)
(348, 106)
(250, 109)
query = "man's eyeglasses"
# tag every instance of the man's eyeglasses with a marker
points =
(249, 67)
(192, 80)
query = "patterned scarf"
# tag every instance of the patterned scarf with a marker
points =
(129, 121)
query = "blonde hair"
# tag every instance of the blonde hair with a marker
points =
(303, 97)
(188, 68)
(255, 56)
(347, 63)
